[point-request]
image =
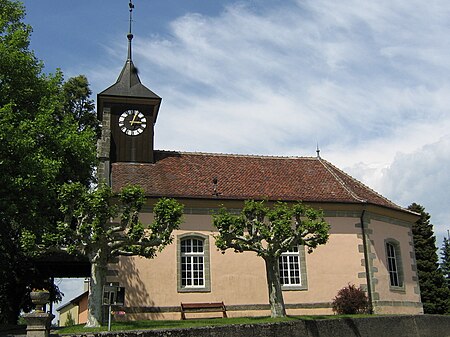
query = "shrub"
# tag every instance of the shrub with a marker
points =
(351, 300)
(69, 321)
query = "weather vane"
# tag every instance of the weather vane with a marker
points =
(131, 5)
(130, 36)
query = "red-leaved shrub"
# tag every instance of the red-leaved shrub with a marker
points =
(351, 300)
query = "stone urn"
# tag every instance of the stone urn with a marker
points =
(40, 299)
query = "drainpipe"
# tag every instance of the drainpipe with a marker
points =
(366, 262)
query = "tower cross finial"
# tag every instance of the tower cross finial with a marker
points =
(130, 35)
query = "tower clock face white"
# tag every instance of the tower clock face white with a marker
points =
(132, 122)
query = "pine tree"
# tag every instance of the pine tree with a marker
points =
(433, 290)
(445, 264)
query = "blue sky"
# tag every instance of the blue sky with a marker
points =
(369, 81)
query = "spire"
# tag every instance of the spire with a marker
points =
(128, 82)
(318, 150)
(130, 35)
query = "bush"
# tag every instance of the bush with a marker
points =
(69, 321)
(351, 300)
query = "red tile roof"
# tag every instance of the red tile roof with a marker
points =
(191, 175)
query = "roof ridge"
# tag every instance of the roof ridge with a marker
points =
(235, 155)
(364, 185)
(347, 188)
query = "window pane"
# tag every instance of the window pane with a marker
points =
(192, 262)
(392, 265)
(289, 267)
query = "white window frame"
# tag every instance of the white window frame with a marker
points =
(292, 264)
(193, 254)
(289, 268)
(192, 263)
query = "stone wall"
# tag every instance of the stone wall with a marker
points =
(398, 326)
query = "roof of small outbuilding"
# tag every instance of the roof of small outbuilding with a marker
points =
(75, 301)
(241, 177)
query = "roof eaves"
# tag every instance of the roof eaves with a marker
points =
(73, 301)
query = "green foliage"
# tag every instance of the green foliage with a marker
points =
(350, 301)
(270, 231)
(20, 71)
(445, 264)
(69, 321)
(42, 147)
(100, 225)
(433, 290)
(76, 94)
(87, 227)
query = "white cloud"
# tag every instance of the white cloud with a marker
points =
(319, 69)
(423, 177)
(369, 81)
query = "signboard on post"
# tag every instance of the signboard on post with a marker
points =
(113, 295)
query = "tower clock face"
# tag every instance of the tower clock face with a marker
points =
(132, 122)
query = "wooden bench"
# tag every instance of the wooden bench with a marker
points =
(203, 307)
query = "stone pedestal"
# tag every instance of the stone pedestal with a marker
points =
(38, 324)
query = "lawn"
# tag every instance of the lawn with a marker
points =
(179, 324)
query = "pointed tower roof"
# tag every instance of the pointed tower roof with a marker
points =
(128, 82)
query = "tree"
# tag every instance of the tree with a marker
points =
(77, 101)
(445, 264)
(433, 290)
(269, 232)
(42, 147)
(87, 229)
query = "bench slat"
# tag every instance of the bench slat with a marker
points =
(203, 307)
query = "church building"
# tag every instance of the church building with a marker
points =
(370, 244)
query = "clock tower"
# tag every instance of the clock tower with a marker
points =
(128, 112)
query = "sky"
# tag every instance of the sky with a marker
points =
(366, 81)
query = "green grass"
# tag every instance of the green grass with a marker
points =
(178, 324)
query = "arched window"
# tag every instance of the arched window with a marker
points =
(394, 264)
(193, 263)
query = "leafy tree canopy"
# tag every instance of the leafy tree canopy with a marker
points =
(43, 145)
(269, 232)
(87, 229)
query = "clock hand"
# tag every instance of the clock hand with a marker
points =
(134, 118)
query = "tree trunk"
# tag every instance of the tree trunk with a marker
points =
(276, 301)
(98, 277)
